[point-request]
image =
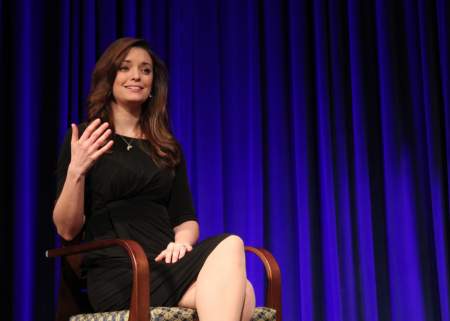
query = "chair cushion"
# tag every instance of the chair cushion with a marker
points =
(167, 314)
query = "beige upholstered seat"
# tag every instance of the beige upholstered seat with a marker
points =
(167, 314)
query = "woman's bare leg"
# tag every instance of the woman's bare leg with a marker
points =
(249, 303)
(222, 291)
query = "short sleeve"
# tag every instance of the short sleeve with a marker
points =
(181, 207)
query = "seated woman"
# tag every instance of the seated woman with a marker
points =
(124, 175)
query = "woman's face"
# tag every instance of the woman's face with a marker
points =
(134, 79)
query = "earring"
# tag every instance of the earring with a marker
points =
(150, 96)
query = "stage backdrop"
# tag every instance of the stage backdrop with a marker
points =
(317, 129)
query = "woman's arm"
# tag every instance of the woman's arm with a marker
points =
(186, 235)
(68, 214)
(187, 232)
(182, 216)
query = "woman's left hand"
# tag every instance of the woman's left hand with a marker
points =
(174, 252)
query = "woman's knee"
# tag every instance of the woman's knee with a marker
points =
(234, 242)
(231, 249)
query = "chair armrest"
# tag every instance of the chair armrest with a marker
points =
(140, 298)
(273, 296)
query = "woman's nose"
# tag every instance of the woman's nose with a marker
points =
(135, 74)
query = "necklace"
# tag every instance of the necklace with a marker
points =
(128, 143)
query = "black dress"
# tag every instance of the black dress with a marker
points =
(127, 197)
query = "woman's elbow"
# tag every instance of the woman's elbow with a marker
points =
(66, 235)
(67, 232)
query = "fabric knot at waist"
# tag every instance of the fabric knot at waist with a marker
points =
(137, 216)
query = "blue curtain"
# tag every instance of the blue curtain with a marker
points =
(317, 129)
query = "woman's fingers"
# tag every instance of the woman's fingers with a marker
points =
(183, 250)
(74, 133)
(89, 130)
(169, 252)
(100, 131)
(160, 256)
(92, 139)
(91, 134)
(103, 150)
(99, 142)
(177, 250)
(103, 137)
(174, 252)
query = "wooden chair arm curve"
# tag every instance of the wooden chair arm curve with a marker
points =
(140, 298)
(273, 296)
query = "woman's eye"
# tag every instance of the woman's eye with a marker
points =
(146, 71)
(123, 68)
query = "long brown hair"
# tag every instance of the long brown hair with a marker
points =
(154, 119)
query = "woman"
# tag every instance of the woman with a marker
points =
(124, 173)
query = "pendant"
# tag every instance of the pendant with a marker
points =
(129, 146)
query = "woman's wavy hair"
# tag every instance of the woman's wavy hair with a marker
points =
(154, 119)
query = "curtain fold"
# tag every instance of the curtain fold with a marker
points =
(319, 130)
(440, 206)
(301, 97)
(358, 146)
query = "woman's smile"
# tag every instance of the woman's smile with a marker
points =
(134, 88)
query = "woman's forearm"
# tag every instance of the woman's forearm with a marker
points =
(187, 232)
(68, 214)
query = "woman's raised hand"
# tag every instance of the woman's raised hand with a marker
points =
(86, 149)
(174, 252)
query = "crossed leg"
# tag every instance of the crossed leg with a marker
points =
(222, 291)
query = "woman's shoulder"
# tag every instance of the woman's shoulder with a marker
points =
(181, 154)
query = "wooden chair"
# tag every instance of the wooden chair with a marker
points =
(73, 299)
